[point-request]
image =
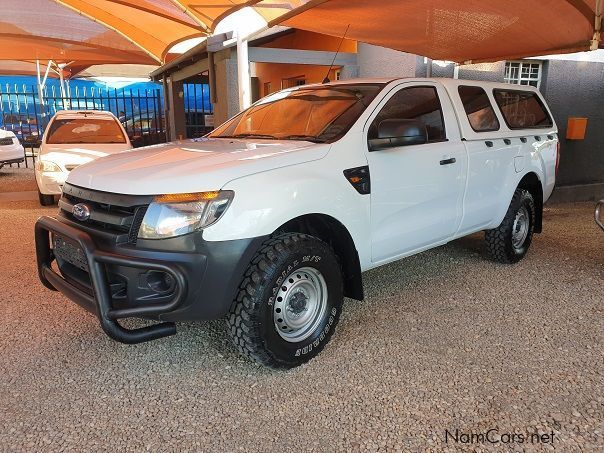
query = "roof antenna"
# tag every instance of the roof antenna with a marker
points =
(326, 79)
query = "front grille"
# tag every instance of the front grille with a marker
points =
(116, 214)
(6, 141)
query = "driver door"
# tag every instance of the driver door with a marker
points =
(416, 189)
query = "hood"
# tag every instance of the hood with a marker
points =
(197, 165)
(75, 155)
(6, 134)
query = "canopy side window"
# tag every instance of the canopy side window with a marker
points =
(479, 110)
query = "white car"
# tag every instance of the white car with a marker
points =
(73, 138)
(271, 219)
(11, 151)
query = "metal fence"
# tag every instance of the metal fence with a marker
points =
(26, 112)
(199, 113)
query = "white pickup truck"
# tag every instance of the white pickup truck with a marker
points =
(271, 219)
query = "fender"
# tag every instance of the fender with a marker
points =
(538, 163)
(302, 190)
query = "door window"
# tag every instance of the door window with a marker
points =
(415, 103)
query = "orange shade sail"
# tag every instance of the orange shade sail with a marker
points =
(98, 31)
(152, 25)
(457, 30)
(142, 31)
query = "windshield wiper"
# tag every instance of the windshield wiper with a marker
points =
(271, 137)
(306, 138)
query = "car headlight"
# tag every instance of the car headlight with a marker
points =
(45, 165)
(178, 214)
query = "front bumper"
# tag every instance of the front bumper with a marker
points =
(112, 280)
(11, 154)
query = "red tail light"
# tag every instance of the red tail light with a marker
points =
(557, 157)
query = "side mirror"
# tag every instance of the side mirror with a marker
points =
(398, 132)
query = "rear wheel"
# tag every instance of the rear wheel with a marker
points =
(46, 200)
(510, 241)
(289, 301)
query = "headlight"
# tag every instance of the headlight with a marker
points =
(178, 214)
(45, 165)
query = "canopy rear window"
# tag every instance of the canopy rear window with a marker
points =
(522, 109)
(84, 131)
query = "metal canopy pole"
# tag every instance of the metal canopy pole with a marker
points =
(42, 84)
(212, 78)
(595, 42)
(62, 81)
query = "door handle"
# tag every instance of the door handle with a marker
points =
(450, 161)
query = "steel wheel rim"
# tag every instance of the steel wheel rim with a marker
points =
(300, 304)
(520, 229)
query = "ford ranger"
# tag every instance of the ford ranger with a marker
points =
(270, 220)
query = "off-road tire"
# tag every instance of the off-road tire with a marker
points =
(251, 322)
(46, 200)
(499, 240)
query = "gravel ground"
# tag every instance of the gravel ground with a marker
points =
(445, 340)
(14, 179)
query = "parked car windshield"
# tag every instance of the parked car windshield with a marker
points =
(318, 114)
(84, 130)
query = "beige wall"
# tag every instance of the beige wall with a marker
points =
(227, 105)
(274, 74)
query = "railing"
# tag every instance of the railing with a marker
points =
(141, 112)
(26, 113)
(598, 214)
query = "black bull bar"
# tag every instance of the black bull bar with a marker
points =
(100, 302)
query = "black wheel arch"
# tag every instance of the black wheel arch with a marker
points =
(334, 233)
(532, 184)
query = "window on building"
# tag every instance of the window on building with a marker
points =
(479, 110)
(338, 74)
(293, 82)
(523, 73)
(522, 109)
(414, 103)
(267, 88)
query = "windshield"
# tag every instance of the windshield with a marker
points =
(318, 114)
(85, 130)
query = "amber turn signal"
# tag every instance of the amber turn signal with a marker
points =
(186, 197)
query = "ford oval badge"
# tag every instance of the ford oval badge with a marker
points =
(81, 212)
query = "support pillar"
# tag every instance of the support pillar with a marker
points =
(176, 113)
(243, 74)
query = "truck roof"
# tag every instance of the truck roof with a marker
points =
(446, 81)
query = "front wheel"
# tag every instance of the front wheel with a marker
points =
(289, 301)
(510, 241)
